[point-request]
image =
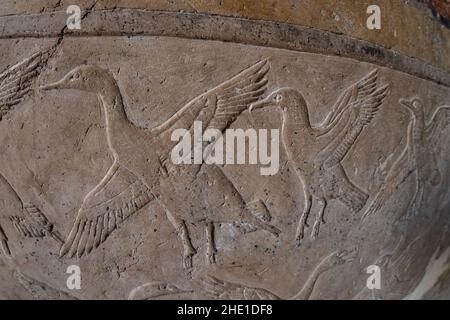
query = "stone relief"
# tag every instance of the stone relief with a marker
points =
(16, 83)
(146, 161)
(320, 170)
(224, 290)
(322, 154)
(419, 156)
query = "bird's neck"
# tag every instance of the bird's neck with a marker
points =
(295, 118)
(116, 120)
(419, 124)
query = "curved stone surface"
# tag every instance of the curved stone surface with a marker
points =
(87, 177)
(409, 27)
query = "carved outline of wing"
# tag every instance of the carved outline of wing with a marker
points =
(220, 106)
(436, 120)
(359, 91)
(17, 81)
(367, 106)
(98, 217)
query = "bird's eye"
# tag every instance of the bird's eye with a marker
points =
(278, 98)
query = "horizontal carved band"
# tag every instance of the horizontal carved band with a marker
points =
(133, 22)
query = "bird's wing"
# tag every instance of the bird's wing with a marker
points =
(437, 122)
(366, 108)
(102, 212)
(353, 95)
(232, 291)
(398, 172)
(220, 106)
(16, 82)
(4, 243)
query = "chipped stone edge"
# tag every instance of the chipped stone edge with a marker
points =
(138, 22)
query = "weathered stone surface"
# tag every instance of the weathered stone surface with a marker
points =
(408, 26)
(87, 179)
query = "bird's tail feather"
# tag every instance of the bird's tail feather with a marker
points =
(353, 197)
(259, 210)
(376, 204)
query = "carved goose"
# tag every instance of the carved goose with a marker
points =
(418, 157)
(140, 159)
(316, 152)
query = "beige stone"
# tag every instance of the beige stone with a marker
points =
(87, 177)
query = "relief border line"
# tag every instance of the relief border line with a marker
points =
(138, 22)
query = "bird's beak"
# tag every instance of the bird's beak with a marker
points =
(406, 103)
(260, 104)
(61, 84)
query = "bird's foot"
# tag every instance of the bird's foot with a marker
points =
(315, 231)
(300, 235)
(188, 257)
(211, 256)
(187, 262)
(298, 240)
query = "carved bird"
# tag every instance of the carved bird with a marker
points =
(220, 289)
(419, 156)
(316, 152)
(17, 81)
(142, 159)
(16, 84)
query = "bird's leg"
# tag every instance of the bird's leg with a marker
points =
(183, 233)
(211, 250)
(319, 220)
(188, 249)
(304, 218)
(412, 202)
(420, 198)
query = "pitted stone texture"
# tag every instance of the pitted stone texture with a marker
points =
(55, 151)
(230, 232)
